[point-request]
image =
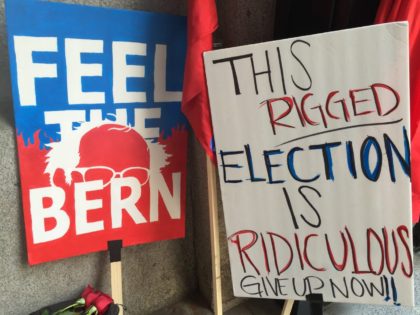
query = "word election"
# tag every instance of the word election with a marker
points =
(372, 149)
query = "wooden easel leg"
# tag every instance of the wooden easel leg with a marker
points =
(214, 237)
(287, 307)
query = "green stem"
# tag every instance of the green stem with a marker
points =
(92, 311)
(78, 303)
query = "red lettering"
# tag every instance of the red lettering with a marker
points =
(343, 105)
(267, 265)
(287, 265)
(299, 252)
(235, 239)
(400, 230)
(336, 265)
(378, 98)
(300, 115)
(302, 107)
(354, 254)
(387, 255)
(374, 88)
(275, 121)
(354, 102)
(321, 112)
(305, 253)
(370, 232)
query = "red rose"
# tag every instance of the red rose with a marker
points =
(96, 300)
(91, 297)
(86, 291)
(102, 303)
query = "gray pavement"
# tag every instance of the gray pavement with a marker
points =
(197, 306)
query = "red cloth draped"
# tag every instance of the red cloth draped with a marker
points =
(202, 22)
(409, 10)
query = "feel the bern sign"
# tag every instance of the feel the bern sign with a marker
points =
(100, 134)
(312, 138)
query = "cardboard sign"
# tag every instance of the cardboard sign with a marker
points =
(312, 138)
(101, 139)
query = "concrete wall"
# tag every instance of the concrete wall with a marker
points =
(240, 22)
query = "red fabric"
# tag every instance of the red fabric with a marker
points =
(384, 10)
(202, 22)
(409, 10)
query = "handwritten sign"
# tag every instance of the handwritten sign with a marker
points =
(312, 139)
(101, 139)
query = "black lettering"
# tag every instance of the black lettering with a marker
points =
(317, 223)
(267, 72)
(232, 66)
(224, 165)
(302, 65)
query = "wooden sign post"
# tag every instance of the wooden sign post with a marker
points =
(287, 307)
(114, 248)
(214, 237)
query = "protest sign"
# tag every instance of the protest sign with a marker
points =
(312, 140)
(101, 139)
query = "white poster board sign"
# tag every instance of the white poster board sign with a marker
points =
(312, 140)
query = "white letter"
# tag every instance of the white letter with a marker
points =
(76, 70)
(27, 70)
(129, 203)
(140, 116)
(65, 118)
(39, 214)
(122, 71)
(120, 116)
(160, 93)
(82, 205)
(172, 202)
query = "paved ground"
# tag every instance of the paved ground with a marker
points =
(249, 307)
(272, 307)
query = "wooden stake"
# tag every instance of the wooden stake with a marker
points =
(287, 307)
(116, 282)
(214, 238)
(114, 248)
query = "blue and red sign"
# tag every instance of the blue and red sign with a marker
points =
(101, 138)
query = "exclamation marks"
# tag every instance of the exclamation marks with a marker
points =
(394, 291)
(387, 298)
